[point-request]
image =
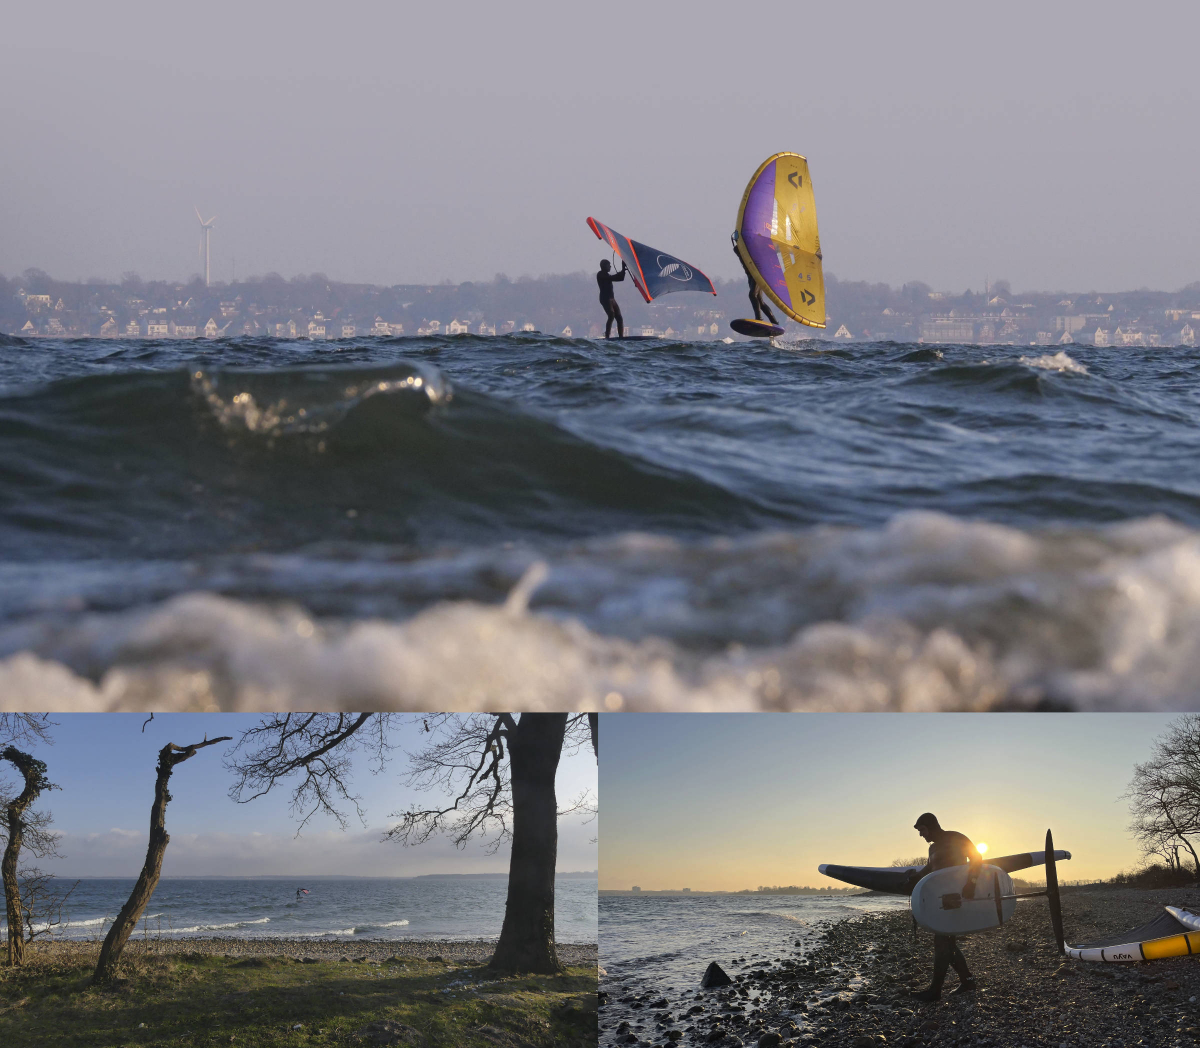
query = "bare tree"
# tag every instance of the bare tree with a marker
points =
(114, 942)
(24, 728)
(33, 771)
(497, 769)
(42, 907)
(1164, 794)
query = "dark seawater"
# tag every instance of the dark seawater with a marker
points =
(660, 945)
(656, 525)
(458, 908)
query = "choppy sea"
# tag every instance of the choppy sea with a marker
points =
(567, 523)
(663, 943)
(422, 908)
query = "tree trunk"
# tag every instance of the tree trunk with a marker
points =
(34, 773)
(527, 937)
(139, 898)
(12, 890)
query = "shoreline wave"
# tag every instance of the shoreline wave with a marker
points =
(927, 613)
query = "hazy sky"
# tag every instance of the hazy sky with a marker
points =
(725, 802)
(106, 768)
(1049, 144)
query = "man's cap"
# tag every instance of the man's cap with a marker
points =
(928, 819)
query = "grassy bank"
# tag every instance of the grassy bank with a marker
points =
(182, 997)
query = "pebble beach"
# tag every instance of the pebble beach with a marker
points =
(849, 985)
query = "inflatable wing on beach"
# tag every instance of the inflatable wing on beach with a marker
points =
(777, 238)
(1173, 933)
(654, 272)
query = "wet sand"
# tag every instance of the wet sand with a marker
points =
(849, 986)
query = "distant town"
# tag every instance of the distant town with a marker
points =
(35, 305)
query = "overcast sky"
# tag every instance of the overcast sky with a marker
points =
(731, 801)
(1053, 145)
(105, 767)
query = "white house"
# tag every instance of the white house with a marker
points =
(348, 330)
(458, 327)
(382, 327)
(156, 328)
(316, 327)
(210, 329)
(133, 330)
(842, 332)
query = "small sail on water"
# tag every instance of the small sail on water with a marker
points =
(654, 272)
(777, 237)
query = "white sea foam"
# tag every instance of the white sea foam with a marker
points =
(214, 927)
(927, 613)
(1059, 361)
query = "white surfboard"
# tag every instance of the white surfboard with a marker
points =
(938, 904)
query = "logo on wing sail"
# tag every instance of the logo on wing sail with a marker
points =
(673, 268)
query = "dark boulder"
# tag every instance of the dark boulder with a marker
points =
(715, 975)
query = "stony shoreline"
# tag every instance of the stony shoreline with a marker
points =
(849, 986)
(474, 951)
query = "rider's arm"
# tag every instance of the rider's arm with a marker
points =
(976, 864)
(621, 275)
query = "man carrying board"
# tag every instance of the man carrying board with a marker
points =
(947, 848)
(608, 298)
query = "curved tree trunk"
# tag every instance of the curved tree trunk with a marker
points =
(139, 898)
(34, 773)
(527, 937)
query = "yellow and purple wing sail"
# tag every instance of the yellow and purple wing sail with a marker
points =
(778, 239)
(654, 272)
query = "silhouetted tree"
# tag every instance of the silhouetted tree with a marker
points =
(1164, 794)
(114, 942)
(499, 770)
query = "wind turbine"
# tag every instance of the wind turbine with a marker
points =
(207, 228)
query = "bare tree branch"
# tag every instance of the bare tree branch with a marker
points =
(25, 728)
(319, 747)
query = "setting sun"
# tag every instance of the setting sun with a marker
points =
(982, 848)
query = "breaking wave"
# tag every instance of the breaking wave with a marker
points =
(927, 613)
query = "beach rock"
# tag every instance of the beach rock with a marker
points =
(384, 1032)
(770, 1040)
(714, 975)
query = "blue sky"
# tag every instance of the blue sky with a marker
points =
(105, 765)
(731, 801)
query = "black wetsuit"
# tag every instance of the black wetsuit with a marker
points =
(951, 849)
(756, 299)
(608, 300)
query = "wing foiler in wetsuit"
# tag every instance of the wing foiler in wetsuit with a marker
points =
(947, 848)
(757, 303)
(608, 297)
